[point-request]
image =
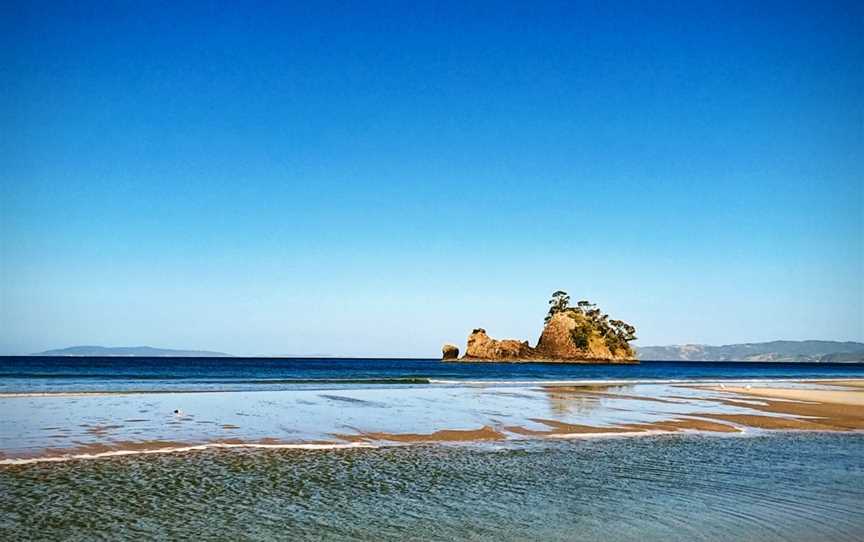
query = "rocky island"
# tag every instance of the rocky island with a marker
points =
(580, 334)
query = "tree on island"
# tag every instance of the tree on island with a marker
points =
(616, 333)
(559, 303)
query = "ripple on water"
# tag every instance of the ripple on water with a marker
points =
(778, 487)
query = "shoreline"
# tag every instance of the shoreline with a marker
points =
(361, 445)
(551, 361)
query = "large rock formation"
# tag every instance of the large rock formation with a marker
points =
(579, 334)
(571, 336)
(481, 346)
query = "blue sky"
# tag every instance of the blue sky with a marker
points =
(379, 178)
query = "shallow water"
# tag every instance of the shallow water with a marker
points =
(784, 486)
(59, 425)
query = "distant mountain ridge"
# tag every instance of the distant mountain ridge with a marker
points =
(130, 351)
(780, 351)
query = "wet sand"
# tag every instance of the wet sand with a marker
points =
(64, 425)
(799, 408)
(846, 383)
(840, 397)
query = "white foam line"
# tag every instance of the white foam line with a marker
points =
(622, 434)
(743, 431)
(178, 449)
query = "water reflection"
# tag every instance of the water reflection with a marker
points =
(581, 401)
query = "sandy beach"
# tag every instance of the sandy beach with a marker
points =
(832, 396)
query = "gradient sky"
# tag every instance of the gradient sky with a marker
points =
(379, 178)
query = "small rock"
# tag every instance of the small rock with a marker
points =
(449, 351)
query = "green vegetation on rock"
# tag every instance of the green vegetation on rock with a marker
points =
(591, 321)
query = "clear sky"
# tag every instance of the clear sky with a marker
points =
(379, 178)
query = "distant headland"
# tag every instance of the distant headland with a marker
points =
(773, 351)
(580, 334)
(130, 351)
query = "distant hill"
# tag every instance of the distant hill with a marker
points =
(130, 351)
(785, 351)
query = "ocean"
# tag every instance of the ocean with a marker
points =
(375, 449)
(51, 374)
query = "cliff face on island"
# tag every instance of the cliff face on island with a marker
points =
(571, 336)
(481, 346)
(580, 334)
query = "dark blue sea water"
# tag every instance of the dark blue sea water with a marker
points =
(27, 374)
